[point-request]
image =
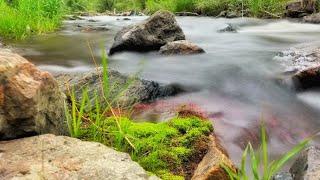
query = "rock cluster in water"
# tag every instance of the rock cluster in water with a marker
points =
(157, 31)
(302, 65)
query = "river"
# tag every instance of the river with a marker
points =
(234, 81)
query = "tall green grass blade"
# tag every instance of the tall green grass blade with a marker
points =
(231, 174)
(264, 148)
(254, 163)
(243, 164)
(105, 75)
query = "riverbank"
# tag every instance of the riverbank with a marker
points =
(21, 19)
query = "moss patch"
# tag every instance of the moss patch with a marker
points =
(164, 149)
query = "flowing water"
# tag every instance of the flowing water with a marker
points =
(233, 81)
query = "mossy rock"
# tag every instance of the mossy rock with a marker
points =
(171, 149)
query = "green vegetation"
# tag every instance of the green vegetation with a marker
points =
(161, 148)
(255, 8)
(261, 167)
(21, 18)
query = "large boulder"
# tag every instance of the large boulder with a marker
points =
(313, 18)
(300, 8)
(125, 91)
(181, 47)
(210, 167)
(58, 157)
(302, 65)
(30, 100)
(153, 33)
(307, 165)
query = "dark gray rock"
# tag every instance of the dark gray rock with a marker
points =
(313, 18)
(150, 35)
(182, 47)
(282, 176)
(307, 165)
(124, 91)
(300, 8)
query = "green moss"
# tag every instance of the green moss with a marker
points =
(160, 148)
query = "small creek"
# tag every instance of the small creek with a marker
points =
(233, 81)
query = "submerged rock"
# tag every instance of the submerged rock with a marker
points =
(229, 14)
(182, 47)
(124, 90)
(300, 8)
(58, 157)
(153, 33)
(229, 28)
(91, 28)
(186, 14)
(30, 100)
(307, 165)
(210, 167)
(313, 18)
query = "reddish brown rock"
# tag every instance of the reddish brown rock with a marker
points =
(182, 47)
(210, 166)
(30, 100)
(308, 78)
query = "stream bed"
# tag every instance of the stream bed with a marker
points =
(233, 82)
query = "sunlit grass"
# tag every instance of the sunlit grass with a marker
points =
(23, 18)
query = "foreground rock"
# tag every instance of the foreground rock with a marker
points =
(314, 18)
(307, 165)
(300, 8)
(58, 157)
(124, 90)
(182, 47)
(155, 32)
(30, 100)
(210, 166)
(302, 65)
